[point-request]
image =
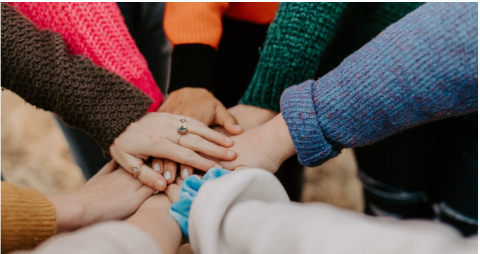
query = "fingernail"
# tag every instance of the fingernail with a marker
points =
(159, 185)
(230, 153)
(229, 140)
(185, 173)
(238, 126)
(156, 167)
(167, 175)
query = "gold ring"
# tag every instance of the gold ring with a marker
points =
(137, 170)
(178, 139)
(182, 127)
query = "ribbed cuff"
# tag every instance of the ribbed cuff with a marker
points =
(28, 218)
(193, 65)
(301, 117)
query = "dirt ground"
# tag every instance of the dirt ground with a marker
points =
(35, 154)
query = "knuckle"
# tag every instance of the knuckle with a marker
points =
(188, 156)
(147, 178)
(197, 142)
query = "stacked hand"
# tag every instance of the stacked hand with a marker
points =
(156, 135)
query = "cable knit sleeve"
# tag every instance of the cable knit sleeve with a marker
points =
(37, 67)
(28, 218)
(295, 41)
(97, 31)
(420, 69)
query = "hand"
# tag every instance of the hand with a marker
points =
(266, 146)
(249, 117)
(109, 195)
(155, 135)
(200, 104)
(154, 218)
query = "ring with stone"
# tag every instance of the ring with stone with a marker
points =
(182, 127)
(137, 170)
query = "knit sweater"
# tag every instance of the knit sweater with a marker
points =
(96, 30)
(195, 31)
(420, 69)
(28, 218)
(37, 67)
(303, 39)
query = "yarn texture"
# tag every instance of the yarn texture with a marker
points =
(37, 67)
(420, 69)
(97, 31)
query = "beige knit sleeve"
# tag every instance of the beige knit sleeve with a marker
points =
(28, 218)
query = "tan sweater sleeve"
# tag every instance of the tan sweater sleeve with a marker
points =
(28, 218)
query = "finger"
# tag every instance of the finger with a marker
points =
(145, 191)
(108, 168)
(170, 170)
(157, 165)
(182, 155)
(185, 171)
(147, 176)
(173, 192)
(227, 120)
(204, 131)
(198, 144)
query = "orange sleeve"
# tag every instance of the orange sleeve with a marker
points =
(28, 218)
(199, 23)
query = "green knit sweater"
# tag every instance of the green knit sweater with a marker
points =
(306, 39)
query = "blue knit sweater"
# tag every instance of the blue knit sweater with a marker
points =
(420, 69)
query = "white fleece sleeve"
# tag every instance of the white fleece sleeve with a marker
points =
(103, 238)
(249, 212)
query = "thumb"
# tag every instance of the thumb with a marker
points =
(227, 120)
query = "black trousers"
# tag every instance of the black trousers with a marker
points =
(428, 172)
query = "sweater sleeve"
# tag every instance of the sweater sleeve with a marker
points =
(252, 214)
(37, 67)
(194, 29)
(106, 237)
(28, 217)
(295, 41)
(420, 69)
(97, 31)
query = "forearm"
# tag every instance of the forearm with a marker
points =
(194, 29)
(161, 226)
(97, 31)
(420, 69)
(37, 67)
(28, 218)
(282, 63)
(252, 214)
(69, 212)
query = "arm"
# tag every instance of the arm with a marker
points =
(29, 217)
(252, 214)
(194, 29)
(420, 69)
(150, 230)
(295, 41)
(97, 31)
(37, 67)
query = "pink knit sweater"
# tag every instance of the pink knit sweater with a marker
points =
(97, 31)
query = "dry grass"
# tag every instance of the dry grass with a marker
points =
(35, 154)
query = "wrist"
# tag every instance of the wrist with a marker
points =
(281, 135)
(70, 212)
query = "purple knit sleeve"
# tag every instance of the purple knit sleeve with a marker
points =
(420, 69)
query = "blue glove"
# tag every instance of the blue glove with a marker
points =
(180, 210)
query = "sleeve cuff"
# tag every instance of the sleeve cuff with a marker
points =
(301, 117)
(188, 191)
(193, 65)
